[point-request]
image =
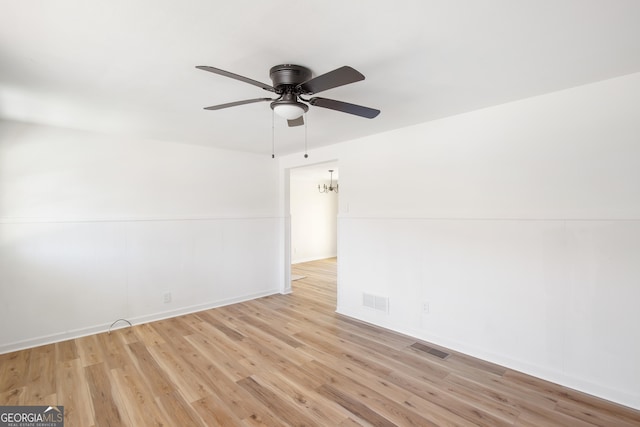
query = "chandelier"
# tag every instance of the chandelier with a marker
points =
(330, 188)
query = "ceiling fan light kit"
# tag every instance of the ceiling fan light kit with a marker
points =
(288, 108)
(289, 111)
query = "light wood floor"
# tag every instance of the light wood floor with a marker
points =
(284, 360)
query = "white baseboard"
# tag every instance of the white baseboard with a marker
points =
(138, 320)
(309, 259)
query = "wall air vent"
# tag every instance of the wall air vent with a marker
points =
(375, 302)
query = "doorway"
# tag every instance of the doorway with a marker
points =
(313, 214)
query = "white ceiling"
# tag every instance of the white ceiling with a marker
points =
(128, 67)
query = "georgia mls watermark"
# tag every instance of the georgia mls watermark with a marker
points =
(31, 416)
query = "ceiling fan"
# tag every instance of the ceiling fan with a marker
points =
(291, 83)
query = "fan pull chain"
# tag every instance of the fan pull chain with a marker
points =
(273, 138)
(305, 136)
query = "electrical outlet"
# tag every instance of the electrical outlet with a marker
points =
(425, 307)
(167, 297)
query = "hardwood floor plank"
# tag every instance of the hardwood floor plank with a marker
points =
(215, 413)
(106, 412)
(560, 393)
(594, 416)
(391, 339)
(40, 384)
(380, 364)
(177, 411)
(548, 418)
(273, 342)
(436, 414)
(112, 347)
(402, 386)
(355, 406)
(89, 350)
(534, 406)
(275, 333)
(350, 422)
(306, 399)
(456, 403)
(126, 335)
(286, 412)
(285, 360)
(135, 398)
(14, 397)
(172, 330)
(212, 318)
(246, 408)
(148, 335)
(385, 386)
(260, 309)
(494, 408)
(381, 401)
(321, 349)
(232, 367)
(66, 350)
(14, 369)
(73, 393)
(185, 379)
(212, 336)
(459, 360)
(155, 376)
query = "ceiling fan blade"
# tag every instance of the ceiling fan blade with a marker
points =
(338, 77)
(233, 104)
(296, 122)
(345, 107)
(236, 76)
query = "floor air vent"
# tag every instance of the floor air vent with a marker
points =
(376, 302)
(427, 349)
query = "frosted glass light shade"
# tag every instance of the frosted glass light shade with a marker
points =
(288, 111)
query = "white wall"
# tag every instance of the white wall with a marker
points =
(519, 225)
(313, 219)
(95, 228)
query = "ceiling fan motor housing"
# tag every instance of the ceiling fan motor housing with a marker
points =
(288, 75)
